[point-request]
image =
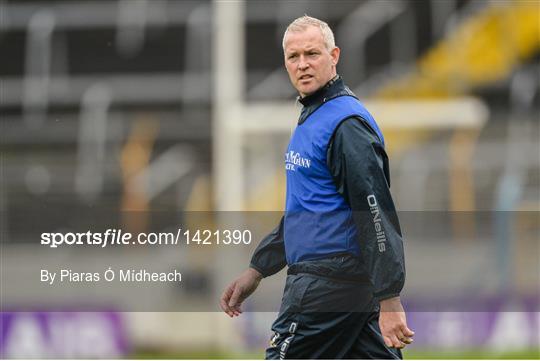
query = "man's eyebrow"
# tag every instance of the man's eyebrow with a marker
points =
(310, 49)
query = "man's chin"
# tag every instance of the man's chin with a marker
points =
(304, 92)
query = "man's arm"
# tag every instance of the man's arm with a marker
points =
(359, 165)
(268, 258)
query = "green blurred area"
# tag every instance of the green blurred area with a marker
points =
(411, 354)
(196, 355)
(527, 354)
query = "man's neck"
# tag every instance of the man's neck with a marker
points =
(311, 98)
(326, 85)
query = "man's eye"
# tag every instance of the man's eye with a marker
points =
(293, 56)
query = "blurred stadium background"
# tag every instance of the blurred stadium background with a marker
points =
(139, 105)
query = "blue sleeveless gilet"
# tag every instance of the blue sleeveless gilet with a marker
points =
(318, 221)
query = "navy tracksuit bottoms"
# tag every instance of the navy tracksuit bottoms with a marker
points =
(323, 318)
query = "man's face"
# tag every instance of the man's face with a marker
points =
(309, 64)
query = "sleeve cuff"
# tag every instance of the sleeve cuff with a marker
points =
(386, 296)
(258, 269)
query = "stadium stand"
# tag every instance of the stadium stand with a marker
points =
(109, 104)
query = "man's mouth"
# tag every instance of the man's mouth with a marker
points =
(305, 77)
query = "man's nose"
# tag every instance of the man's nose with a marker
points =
(302, 63)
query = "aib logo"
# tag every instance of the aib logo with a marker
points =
(294, 159)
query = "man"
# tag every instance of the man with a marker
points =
(340, 235)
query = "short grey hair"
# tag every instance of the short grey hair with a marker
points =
(302, 23)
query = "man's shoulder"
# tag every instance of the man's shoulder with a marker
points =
(356, 126)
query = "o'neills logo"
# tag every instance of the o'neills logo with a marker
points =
(376, 213)
(294, 159)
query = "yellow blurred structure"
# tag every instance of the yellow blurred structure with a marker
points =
(483, 49)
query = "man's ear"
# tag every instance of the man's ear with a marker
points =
(335, 55)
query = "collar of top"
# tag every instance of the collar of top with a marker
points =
(334, 86)
(333, 89)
